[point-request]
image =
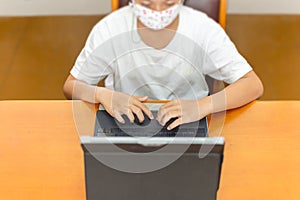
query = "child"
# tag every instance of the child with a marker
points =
(160, 49)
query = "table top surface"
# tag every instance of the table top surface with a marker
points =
(41, 156)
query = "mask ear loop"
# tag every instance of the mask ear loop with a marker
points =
(133, 25)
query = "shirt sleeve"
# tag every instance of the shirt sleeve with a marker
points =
(223, 61)
(94, 61)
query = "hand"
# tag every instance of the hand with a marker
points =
(185, 111)
(118, 104)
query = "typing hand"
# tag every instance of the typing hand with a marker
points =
(185, 111)
(118, 104)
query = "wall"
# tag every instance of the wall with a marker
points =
(53, 7)
(96, 7)
(263, 6)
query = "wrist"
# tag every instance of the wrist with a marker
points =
(101, 94)
(205, 105)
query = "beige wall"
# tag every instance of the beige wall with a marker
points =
(92, 7)
(53, 7)
(263, 6)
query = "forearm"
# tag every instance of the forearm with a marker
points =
(235, 95)
(78, 90)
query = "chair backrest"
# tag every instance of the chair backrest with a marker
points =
(216, 9)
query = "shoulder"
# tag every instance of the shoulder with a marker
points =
(112, 25)
(194, 14)
(195, 17)
(119, 14)
(118, 18)
(199, 26)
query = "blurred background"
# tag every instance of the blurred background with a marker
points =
(40, 40)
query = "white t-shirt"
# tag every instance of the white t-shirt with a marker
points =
(200, 47)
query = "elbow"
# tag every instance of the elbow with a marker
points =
(256, 85)
(259, 89)
(66, 91)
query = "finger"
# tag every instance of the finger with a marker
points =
(139, 113)
(148, 112)
(144, 108)
(130, 115)
(119, 118)
(176, 123)
(163, 112)
(142, 99)
(166, 108)
(170, 104)
(169, 116)
(110, 112)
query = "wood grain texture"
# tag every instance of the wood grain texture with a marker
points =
(262, 143)
(41, 156)
(40, 159)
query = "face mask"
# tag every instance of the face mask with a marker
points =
(156, 20)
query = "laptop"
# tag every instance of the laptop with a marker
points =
(106, 125)
(129, 165)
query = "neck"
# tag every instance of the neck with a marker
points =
(158, 39)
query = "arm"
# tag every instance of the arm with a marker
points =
(75, 89)
(115, 103)
(243, 91)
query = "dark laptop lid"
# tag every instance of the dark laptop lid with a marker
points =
(125, 167)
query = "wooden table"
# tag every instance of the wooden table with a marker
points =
(41, 157)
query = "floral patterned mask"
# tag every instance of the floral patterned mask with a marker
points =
(156, 20)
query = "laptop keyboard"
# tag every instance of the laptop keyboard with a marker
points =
(117, 132)
(109, 127)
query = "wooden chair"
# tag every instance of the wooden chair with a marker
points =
(216, 9)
